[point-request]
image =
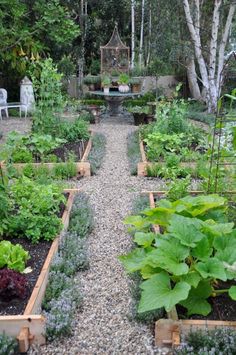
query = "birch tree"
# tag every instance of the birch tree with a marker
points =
(209, 58)
(132, 33)
(141, 35)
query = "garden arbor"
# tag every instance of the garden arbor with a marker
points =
(115, 55)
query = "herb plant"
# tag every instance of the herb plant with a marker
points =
(190, 260)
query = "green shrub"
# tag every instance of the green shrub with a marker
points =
(8, 345)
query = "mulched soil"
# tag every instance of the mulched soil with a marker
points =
(77, 148)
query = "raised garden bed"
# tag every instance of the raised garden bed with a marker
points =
(144, 164)
(168, 332)
(29, 327)
(82, 166)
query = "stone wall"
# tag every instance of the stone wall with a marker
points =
(165, 84)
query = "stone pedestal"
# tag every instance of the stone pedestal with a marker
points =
(27, 95)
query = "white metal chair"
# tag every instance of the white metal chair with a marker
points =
(3, 101)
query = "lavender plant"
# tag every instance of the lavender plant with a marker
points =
(220, 341)
(97, 152)
(81, 217)
(8, 345)
(61, 315)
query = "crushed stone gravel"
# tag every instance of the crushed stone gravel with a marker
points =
(104, 325)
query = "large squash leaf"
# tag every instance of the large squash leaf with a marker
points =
(199, 205)
(144, 239)
(169, 256)
(196, 303)
(159, 215)
(157, 293)
(213, 268)
(232, 292)
(192, 278)
(186, 230)
(135, 260)
(203, 250)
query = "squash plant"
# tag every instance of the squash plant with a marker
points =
(189, 260)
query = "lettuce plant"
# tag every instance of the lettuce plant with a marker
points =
(13, 256)
(12, 285)
(192, 257)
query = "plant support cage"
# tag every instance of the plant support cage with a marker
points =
(114, 55)
(223, 153)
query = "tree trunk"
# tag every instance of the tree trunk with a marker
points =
(211, 80)
(149, 35)
(192, 79)
(141, 36)
(224, 39)
(132, 33)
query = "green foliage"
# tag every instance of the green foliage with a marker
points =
(74, 131)
(64, 170)
(92, 79)
(178, 188)
(8, 345)
(47, 84)
(171, 117)
(159, 142)
(185, 264)
(123, 79)
(97, 152)
(106, 81)
(33, 210)
(66, 66)
(13, 256)
(139, 109)
(210, 341)
(81, 216)
(21, 155)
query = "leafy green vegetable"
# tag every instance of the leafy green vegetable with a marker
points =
(12, 256)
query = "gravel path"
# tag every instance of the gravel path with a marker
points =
(103, 326)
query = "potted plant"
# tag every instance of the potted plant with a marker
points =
(123, 82)
(106, 83)
(93, 81)
(135, 84)
(140, 113)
